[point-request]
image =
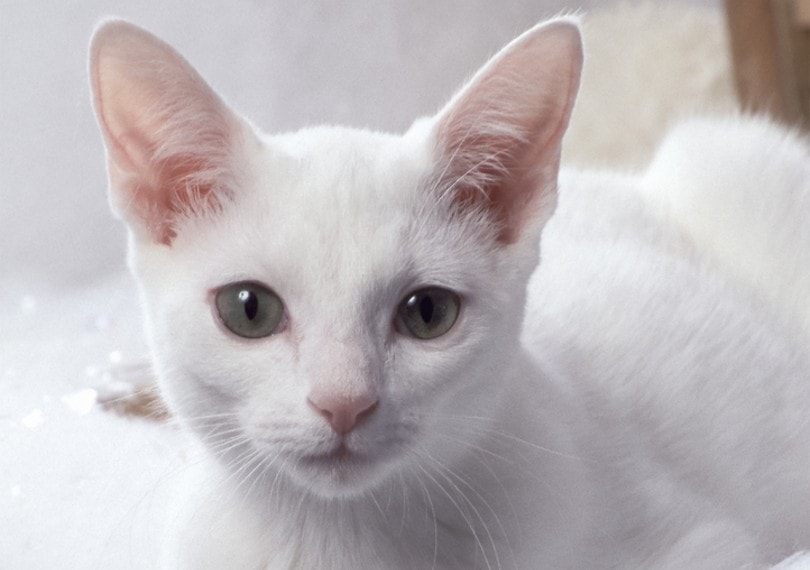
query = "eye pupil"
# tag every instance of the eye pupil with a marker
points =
(426, 309)
(251, 304)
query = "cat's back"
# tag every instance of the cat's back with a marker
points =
(685, 369)
(740, 189)
(717, 225)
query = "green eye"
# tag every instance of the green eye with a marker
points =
(429, 313)
(249, 309)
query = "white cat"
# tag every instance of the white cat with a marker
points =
(338, 315)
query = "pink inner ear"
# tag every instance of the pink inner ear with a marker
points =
(500, 173)
(169, 136)
(499, 139)
(184, 189)
(160, 189)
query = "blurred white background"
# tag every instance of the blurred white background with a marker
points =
(78, 485)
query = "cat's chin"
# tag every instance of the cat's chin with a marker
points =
(339, 473)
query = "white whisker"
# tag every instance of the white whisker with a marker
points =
(432, 511)
(464, 515)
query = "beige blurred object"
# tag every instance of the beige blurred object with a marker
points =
(770, 45)
(648, 64)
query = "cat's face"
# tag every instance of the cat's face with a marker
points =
(333, 306)
(326, 259)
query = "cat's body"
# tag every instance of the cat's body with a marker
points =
(663, 423)
(649, 413)
(693, 391)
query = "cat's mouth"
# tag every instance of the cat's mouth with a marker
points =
(338, 454)
(339, 460)
(340, 471)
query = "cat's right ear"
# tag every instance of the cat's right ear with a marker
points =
(170, 139)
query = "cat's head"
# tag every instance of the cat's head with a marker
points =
(333, 304)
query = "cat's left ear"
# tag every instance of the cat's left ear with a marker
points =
(498, 141)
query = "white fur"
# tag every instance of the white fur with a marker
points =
(649, 412)
(758, 231)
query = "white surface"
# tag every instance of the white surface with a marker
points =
(76, 483)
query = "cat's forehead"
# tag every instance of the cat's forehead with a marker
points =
(339, 203)
(339, 186)
(341, 162)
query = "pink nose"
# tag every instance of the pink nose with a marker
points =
(343, 414)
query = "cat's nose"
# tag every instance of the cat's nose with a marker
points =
(343, 413)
